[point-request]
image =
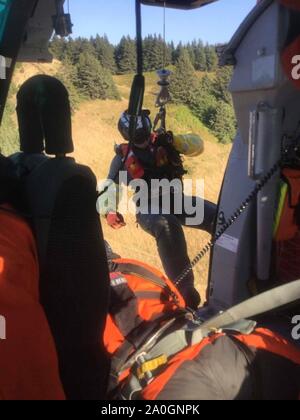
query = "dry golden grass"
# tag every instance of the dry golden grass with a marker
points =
(95, 133)
(28, 70)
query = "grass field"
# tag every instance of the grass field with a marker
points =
(95, 133)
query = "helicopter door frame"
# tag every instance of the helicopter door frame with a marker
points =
(11, 40)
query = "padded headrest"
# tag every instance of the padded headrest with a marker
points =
(44, 113)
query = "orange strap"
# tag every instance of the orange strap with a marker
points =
(151, 392)
(157, 273)
(264, 339)
(28, 360)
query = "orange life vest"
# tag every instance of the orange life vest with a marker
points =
(28, 360)
(132, 164)
(163, 162)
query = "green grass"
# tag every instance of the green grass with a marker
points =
(180, 119)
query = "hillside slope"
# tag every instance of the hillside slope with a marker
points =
(95, 133)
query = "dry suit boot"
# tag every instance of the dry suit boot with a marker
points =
(172, 249)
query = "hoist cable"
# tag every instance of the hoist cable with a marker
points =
(164, 36)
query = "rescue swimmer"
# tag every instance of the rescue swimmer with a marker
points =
(157, 156)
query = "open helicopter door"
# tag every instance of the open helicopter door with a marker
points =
(267, 108)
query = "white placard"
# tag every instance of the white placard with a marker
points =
(228, 242)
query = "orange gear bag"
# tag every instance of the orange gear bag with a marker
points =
(139, 293)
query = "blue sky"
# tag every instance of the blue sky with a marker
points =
(213, 23)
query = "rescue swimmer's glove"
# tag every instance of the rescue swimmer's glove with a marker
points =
(115, 220)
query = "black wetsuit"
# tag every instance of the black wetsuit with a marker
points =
(167, 228)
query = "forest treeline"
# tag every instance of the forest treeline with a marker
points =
(89, 66)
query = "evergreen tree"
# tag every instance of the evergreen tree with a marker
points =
(94, 81)
(164, 55)
(104, 52)
(200, 56)
(225, 126)
(126, 56)
(204, 103)
(211, 58)
(184, 80)
(58, 47)
(177, 53)
(75, 47)
(191, 51)
(221, 83)
(171, 52)
(156, 53)
(67, 74)
(149, 53)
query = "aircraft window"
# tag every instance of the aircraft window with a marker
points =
(4, 10)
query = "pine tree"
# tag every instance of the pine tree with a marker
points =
(191, 51)
(177, 53)
(221, 83)
(105, 52)
(94, 81)
(75, 47)
(58, 47)
(204, 103)
(67, 74)
(184, 80)
(148, 46)
(200, 56)
(171, 52)
(156, 53)
(126, 56)
(225, 126)
(211, 58)
(164, 56)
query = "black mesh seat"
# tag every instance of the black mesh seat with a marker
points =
(60, 196)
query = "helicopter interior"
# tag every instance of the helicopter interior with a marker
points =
(64, 218)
